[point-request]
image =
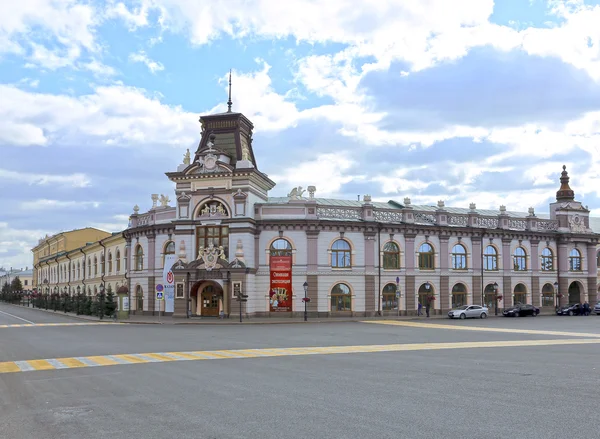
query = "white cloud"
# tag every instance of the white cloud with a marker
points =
(98, 68)
(76, 180)
(16, 245)
(114, 114)
(141, 57)
(68, 26)
(327, 172)
(46, 204)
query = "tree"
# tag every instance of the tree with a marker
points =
(109, 305)
(16, 285)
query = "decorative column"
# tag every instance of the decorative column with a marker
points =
(563, 272)
(371, 297)
(536, 292)
(151, 278)
(592, 273)
(312, 278)
(476, 242)
(506, 273)
(409, 288)
(445, 297)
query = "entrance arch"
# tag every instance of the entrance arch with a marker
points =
(520, 294)
(206, 299)
(575, 293)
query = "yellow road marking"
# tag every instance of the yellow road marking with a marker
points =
(480, 328)
(43, 325)
(124, 359)
(130, 358)
(40, 365)
(160, 357)
(72, 362)
(99, 359)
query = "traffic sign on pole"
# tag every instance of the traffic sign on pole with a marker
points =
(159, 295)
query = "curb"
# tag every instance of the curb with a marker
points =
(60, 313)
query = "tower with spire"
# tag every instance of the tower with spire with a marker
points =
(572, 216)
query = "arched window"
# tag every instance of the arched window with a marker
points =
(391, 256)
(459, 295)
(490, 258)
(89, 267)
(459, 257)
(547, 260)
(426, 255)
(102, 264)
(139, 298)
(118, 260)
(520, 259)
(280, 247)
(341, 299)
(575, 260)
(110, 265)
(389, 299)
(520, 294)
(341, 255)
(489, 295)
(426, 294)
(598, 259)
(169, 249)
(79, 270)
(95, 266)
(139, 258)
(548, 295)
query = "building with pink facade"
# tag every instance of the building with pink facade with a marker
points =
(224, 235)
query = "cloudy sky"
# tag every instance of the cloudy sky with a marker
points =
(464, 101)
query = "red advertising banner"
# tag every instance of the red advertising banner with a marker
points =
(280, 291)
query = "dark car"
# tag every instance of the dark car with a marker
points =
(521, 311)
(569, 310)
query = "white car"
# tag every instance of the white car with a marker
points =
(469, 311)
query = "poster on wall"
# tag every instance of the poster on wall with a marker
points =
(280, 291)
(169, 283)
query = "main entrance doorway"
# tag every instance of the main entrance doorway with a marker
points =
(206, 299)
(210, 301)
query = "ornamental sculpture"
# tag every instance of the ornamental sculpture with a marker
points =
(210, 255)
(164, 200)
(213, 209)
(577, 225)
(296, 193)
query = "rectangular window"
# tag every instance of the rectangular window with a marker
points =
(179, 291)
(547, 299)
(25, 282)
(490, 262)
(215, 235)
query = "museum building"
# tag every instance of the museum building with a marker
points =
(225, 236)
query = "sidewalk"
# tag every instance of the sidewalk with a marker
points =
(234, 320)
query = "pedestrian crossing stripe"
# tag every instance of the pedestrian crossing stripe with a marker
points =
(162, 357)
(39, 325)
(480, 328)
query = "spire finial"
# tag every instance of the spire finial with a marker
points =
(229, 101)
(565, 193)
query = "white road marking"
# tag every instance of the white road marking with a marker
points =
(16, 317)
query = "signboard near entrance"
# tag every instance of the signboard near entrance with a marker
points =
(280, 292)
(169, 282)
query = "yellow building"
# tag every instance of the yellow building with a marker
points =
(26, 277)
(80, 261)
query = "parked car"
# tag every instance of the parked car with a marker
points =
(569, 310)
(521, 311)
(597, 309)
(469, 311)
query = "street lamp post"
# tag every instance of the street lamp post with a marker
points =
(78, 297)
(305, 285)
(556, 294)
(101, 302)
(496, 298)
(427, 305)
(398, 295)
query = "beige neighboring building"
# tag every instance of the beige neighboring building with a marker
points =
(25, 275)
(79, 261)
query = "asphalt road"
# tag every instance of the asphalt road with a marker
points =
(489, 392)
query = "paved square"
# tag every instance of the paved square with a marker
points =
(413, 379)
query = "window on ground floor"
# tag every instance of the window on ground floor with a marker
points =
(341, 299)
(389, 297)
